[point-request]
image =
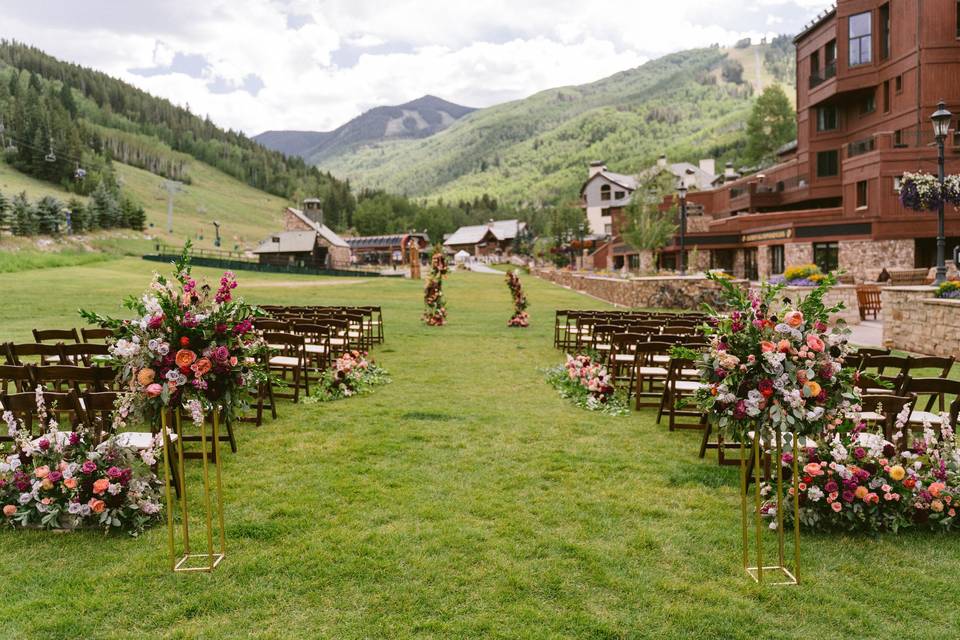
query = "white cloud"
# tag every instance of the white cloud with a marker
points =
(342, 56)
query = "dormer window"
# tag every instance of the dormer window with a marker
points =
(605, 192)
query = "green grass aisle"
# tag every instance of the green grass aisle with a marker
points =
(463, 500)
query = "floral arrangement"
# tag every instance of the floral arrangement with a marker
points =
(351, 374)
(189, 346)
(857, 481)
(922, 192)
(588, 384)
(948, 289)
(775, 366)
(804, 275)
(435, 314)
(520, 317)
(60, 480)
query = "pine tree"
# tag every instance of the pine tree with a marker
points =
(66, 99)
(104, 208)
(4, 212)
(49, 215)
(132, 214)
(772, 124)
(78, 217)
(24, 216)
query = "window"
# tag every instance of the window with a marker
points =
(619, 195)
(898, 84)
(722, 259)
(869, 104)
(633, 262)
(861, 43)
(608, 229)
(826, 118)
(776, 259)
(828, 164)
(885, 31)
(896, 184)
(826, 255)
(815, 64)
(605, 192)
(886, 96)
(898, 138)
(830, 53)
(862, 194)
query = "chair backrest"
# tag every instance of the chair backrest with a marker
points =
(15, 378)
(872, 351)
(887, 405)
(56, 335)
(888, 367)
(95, 334)
(78, 378)
(84, 353)
(268, 324)
(98, 409)
(284, 339)
(22, 352)
(942, 365)
(23, 406)
(934, 390)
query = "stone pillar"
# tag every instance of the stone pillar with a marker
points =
(797, 253)
(739, 268)
(763, 262)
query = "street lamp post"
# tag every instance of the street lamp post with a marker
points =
(941, 126)
(682, 192)
(582, 230)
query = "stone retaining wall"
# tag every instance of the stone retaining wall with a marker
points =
(687, 292)
(916, 321)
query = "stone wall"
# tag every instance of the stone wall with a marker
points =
(915, 321)
(864, 259)
(795, 253)
(678, 292)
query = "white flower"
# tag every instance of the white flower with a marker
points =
(114, 488)
(25, 498)
(814, 494)
(838, 451)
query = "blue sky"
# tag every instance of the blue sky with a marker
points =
(301, 64)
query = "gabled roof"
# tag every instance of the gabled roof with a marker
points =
(499, 229)
(325, 232)
(393, 240)
(288, 242)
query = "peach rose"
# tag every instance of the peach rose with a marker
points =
(41, 472)
(783, 346)
(202, 366)
(97, 506)
(861, 492)
(100, 485)
(813, 388)
(146, 376)
(9, 510)
(70, 483)
(812, 469)
(154, 390)
(767, 347)
(937, 506)
(935, 488)
(815, 343)
(185, 358)
(793, 318)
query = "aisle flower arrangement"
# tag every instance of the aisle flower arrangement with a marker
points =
(856, 481)
(775, 364)
(60, 480)
(188, 345)
(520, 317)
(435, 313)
(588, 384)
(351, 374)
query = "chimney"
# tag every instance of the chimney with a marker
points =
(709, 165)
(596, 167)
(662, 161)
(313, 209)
(728, 171)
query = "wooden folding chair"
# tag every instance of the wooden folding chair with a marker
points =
(940, 364)
(932, 393)
(289, 356)
(23, 406)
(882, 410)
(44, 336)
(95, 335)
(16, 378)
(88, 354)
(23, 353)
(678, 395)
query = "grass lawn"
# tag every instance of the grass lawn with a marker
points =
(463, 500)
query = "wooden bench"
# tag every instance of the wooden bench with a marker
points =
(908, 276)
(868, 299)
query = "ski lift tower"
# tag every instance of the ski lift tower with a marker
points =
(172, 188)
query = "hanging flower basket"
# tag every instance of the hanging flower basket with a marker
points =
(922, 191)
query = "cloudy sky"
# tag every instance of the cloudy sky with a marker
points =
(255, 65)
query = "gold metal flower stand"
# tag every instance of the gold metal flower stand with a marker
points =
(208, 559)
(779, 573)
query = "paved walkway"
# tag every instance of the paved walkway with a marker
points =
(868, 333)
(479, 267)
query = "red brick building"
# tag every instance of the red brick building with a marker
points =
(869, 74)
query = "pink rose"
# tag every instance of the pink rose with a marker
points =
(767, 347)
(154, 390)
(793, 318)
(9, 510)
(836, 506)
(815, 343)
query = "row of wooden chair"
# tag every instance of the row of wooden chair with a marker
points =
(366, 320)
(573, 329)
(70, 353)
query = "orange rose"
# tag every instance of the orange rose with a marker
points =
(793, 318)
(935, 489)
(783, 346)
(202, 366)
(9, 510)
(812, 388)
(185, 358)
(861, 492)
(70, 483)
(767, 347)
(41, 472)
(97, 506)
(146, 376)
(100, 485)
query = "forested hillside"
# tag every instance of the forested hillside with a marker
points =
(690, 105)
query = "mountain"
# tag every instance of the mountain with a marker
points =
(690, 105)
(418, 118)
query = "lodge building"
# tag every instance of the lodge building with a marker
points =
(869, 74)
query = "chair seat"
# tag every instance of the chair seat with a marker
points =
(285, 361)
(652, 371)
(315, 348)
(660, 358)
(624, 357)
(138, 439)
(687, 385)
(871, 416)
(338, 341)
(919, 417)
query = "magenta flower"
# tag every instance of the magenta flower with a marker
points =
(89, 466)
(860, 453)
(73, 438)
(43, 444)
(114, 472)
(54, 476)
(830, 487)
(848, 496)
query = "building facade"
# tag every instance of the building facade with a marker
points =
(869, 75)
(305, 241)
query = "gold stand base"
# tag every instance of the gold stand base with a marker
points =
(788, 577)
(209, 564)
